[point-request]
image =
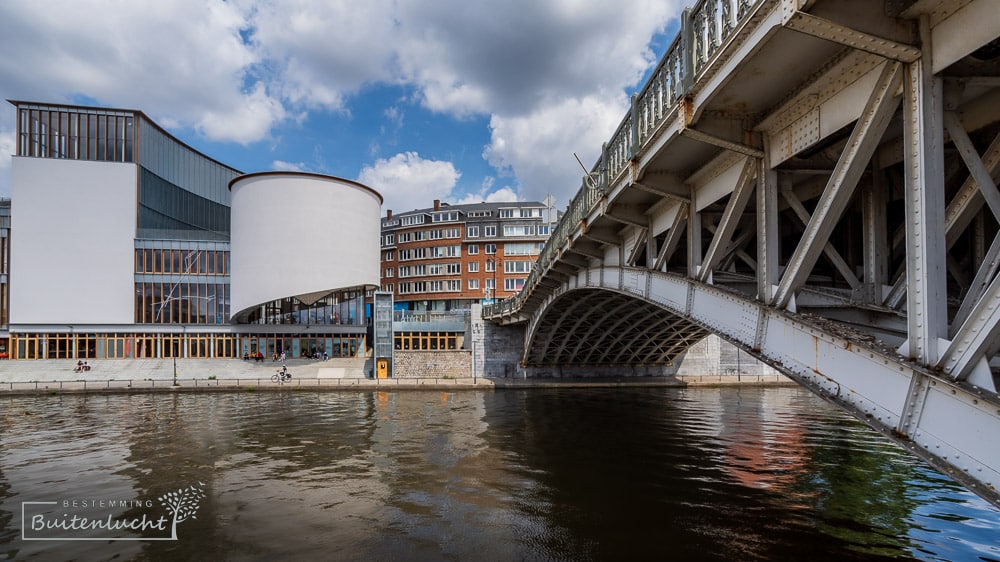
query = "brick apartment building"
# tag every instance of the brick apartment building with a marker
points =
(448, 257)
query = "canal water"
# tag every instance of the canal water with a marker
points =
(561, 474)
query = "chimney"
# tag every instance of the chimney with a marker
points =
(388, 215)
(437, 204)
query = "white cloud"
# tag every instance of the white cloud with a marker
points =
(539, 146)
(407, 181)
(289, 166)
(503, 195)
(550, 75)
(180, 61)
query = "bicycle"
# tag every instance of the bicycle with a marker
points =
(281, 376)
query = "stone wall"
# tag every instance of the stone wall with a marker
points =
(432, 364)
(715, 356)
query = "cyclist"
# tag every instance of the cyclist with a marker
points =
(282, 375)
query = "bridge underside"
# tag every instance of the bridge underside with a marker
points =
(592, 327)
(815, 181)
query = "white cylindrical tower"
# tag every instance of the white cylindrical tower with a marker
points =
(297, 234)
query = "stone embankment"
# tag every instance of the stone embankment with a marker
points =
(441, 370)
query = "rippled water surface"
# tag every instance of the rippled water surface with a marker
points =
(565, 474)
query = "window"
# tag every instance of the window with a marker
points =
(388, 239)
(412, 220)
(518, 230)
(473, 249)
(450, 216)
(513, 284)
(454, 268)
(507, 213)
(490, 231)
(522, 249)
(473, 283)
(453, 233)
(389, 255)
(480, 213)
(473, 231)
(388, 272)
(543, 230)
(435, 269)
(405, 237)
(490, 283)
(490, 248)
(491, 266)
(473, 267)
(516, 266)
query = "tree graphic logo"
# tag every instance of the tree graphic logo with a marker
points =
(183, 504)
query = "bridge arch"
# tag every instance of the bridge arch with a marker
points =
(596, 326)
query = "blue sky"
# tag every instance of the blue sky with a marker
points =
(419, 99)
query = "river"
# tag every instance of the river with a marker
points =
(554, 474)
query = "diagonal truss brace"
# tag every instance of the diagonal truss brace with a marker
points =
(730, 219)
(673, 237)
(864, 139)
(977, 336)
(829, 251)
(977, 290)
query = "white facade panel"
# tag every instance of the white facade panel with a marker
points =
(299, 234)
(72, 254)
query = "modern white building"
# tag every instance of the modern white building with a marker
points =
(121, 241)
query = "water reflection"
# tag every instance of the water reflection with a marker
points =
(704, 474)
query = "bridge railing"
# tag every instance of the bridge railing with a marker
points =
(705, 30)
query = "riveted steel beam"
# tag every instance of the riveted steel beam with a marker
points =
(730, 218)
(671, 189)
(969, 198)
(977, 289)
(600, 237)
(875, 239)
(626, 216)
(977, 169)
(578, 248)
(673, 237)
(832, 31)
(720, 142)
(735, 248)
(767, 225)
(923, 164)
(951, 424)
(864, 139)
(979, 334)
(637, 247)
(829, 251)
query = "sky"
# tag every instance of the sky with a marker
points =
(462, 101)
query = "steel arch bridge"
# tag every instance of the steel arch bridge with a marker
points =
(816, 182)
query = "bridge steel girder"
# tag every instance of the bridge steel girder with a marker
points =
(882, 345)
(950, 424)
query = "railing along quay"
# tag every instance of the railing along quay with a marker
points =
(705, 30)
(234, 383)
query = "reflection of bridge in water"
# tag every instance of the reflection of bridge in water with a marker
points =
(815, 182)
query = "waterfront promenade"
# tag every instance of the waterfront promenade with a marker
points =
(142, 375)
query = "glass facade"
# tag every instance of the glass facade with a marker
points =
(183, 195)
(344, 308)
(184, 283)
(75, 133)
(182, 253)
